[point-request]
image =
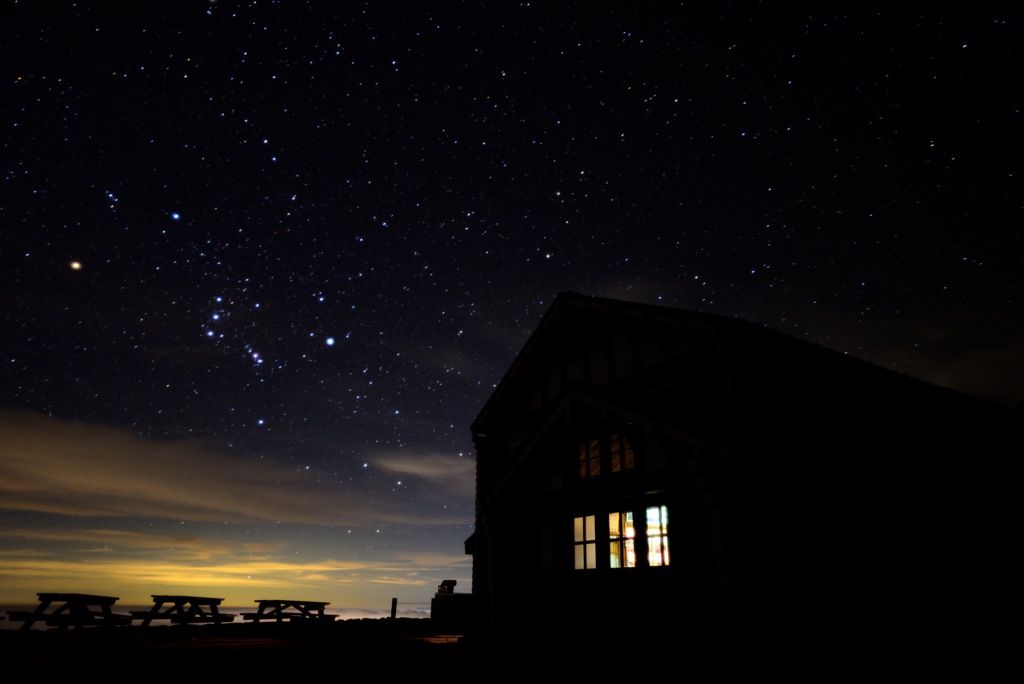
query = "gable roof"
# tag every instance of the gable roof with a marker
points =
(562, 325)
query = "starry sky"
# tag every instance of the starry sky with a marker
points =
(263, 262)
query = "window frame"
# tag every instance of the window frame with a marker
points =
(622, 538)
(612, 453)
(585, 542)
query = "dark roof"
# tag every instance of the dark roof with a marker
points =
(713, 324)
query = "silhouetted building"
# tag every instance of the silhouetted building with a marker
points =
(662, 478)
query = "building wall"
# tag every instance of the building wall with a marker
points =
(813, 498)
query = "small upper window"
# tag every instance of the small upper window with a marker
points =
(612, 454)
(589, 458)
(621, 453)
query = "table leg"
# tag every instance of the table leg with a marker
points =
(37, 614)
(153, 612)
(74, 613)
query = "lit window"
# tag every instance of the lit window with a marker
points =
(657, 535)
(621, 453)
(586, 542)
(622, 540)
(589, 458)
(633, 541)
(614, 453)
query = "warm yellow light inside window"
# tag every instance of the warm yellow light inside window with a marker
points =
(657, 536)
(621, 453)
(585, 538)
(621, 546)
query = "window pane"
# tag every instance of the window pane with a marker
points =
(591, 555)
(584, 536)
(622, 549)
(657, 536)
(594, 461)
(654, 551)
(615, 550)
(588, 458)
(620, 452)
(583, 529)
(657, 520)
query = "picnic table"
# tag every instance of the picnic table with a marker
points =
(289, 609)
(70, 610)
(183, 610)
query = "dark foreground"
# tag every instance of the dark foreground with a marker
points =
(387, 650)
(405, 648)
(384, 648)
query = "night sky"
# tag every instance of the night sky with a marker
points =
(263, 262)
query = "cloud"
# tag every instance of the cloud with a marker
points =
(74, 468)
(369, 582)
(454, 475)
(973, 355)
(36, 540)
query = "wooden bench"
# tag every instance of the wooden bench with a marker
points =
(183, 610)
(291, 617)
(96, 618)
(20, 615)
(198, 619)
(147, 616)
(279, 610)
(73, 610)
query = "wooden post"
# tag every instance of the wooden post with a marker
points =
(394, 607)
